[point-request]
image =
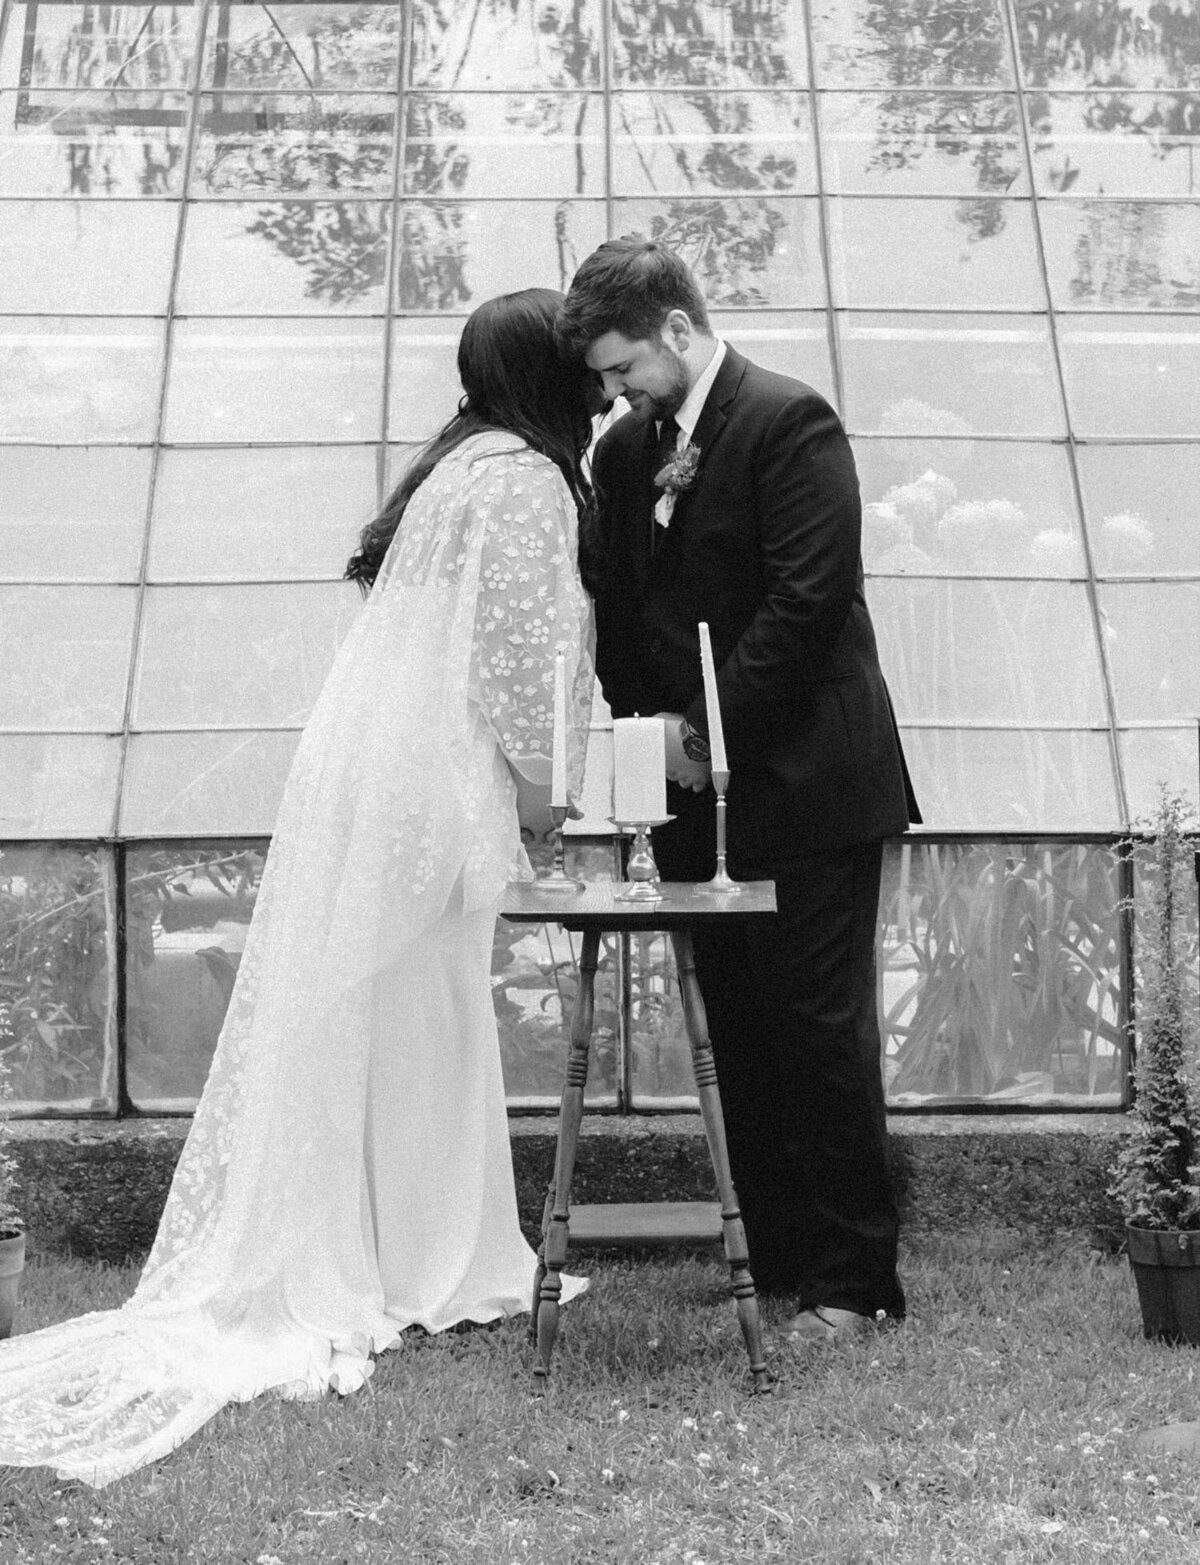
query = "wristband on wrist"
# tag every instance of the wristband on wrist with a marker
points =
(695, 745)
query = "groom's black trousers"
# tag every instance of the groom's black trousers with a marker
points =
(791, 1010)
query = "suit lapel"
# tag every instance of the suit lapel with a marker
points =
(709, 425)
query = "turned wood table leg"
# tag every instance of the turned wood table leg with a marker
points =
(552, 1254)
(732, 1230)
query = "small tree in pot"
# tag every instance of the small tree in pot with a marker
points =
(12, 1224)
(1156, 1179)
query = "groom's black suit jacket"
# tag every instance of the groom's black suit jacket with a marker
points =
(765, 547)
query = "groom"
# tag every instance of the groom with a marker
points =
(728, 494)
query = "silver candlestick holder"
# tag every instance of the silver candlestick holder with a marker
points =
(641, 872)
(558, 879)
(721, 885)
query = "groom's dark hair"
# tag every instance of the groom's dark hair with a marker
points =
(628, 285)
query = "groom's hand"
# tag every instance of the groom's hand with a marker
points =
(688, 774)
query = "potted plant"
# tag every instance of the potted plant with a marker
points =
(1156, 1178)
(12, 1225)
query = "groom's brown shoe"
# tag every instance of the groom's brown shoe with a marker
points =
(826, 1323)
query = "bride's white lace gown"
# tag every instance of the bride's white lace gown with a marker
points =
(348, 1172)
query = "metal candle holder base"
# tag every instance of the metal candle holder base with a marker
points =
(558, 879)
(641, 871)
(721, 885)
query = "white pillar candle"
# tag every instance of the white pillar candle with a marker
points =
(639, 769)
(558, 774)
(716, 734)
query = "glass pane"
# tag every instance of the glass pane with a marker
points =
(489, 144)
(1092, 45)
(298, 46)
(662, 1055)
(1132, 376)
(187, 909)
(709, 43)
(933, 43)
(1159, 755)
(1141, 507)
(277, 381)
(698, 143)
(72, 144)
(764, 253)
(1122, 255)
(259, 514)
(988, 651)
(970, 505)
(978, 253)
(949, 375)
(284, 258)
(1001, 975)
(519, 44)
(922, 143)
(135, 45)
(208, 783)
(425, 387)
(58, 785)
(455, 254)
(79, 381)
(1154, 648)
(66, 656)
(1115, 144)
(315, 145)
(111, 257)
(794, 344)
(981, 779)
(71, 513)
(244, 655)
(57, 912)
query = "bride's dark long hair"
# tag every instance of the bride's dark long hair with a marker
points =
(515, 378)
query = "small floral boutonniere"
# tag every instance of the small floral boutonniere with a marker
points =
(676, 476)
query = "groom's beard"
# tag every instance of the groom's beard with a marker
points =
(667, 400)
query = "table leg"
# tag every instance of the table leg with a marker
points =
(552, 1254)
(732, 1230)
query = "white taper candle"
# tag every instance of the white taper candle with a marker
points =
(716, 734)
(639, 769)
(558, 774)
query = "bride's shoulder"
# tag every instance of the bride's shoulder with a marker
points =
(494, 459)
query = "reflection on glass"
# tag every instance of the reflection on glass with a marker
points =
(511, 145)
(289, 142)
(1001, 979)
(1153, 648)
(977, 253)
(1129, 375)
(66, 656)
(72, 513)
(661, 1053)
(283, 380)
(127, 45)
(455, 254)
(710, 142)
(187, 910)
(259, 514)
(744, 251)
(298, 46)
(93, 144)
(709, 43)
(208, 783)
(86, 256)
(1116, 144)
(241, 655)
(910, 43)
(284, 258)
(78, 381)
(56, 1028)
(58, 785)
(949, 376)
(1157, 755)
(1123, 255)
(1121, 45)
(987, 651)
(997, 509)
(518, 44)
(1140, 503)
(793, 342)
(981, 779)
(922, 143)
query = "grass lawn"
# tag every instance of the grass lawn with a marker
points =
(996, 1425)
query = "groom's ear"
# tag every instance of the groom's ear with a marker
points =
(677, 330)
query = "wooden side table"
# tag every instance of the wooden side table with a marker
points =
(593, 912)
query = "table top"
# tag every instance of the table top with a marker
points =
(596, 905)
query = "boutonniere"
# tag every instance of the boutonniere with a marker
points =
(674, 478)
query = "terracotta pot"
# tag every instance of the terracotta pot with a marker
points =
(1166, 1268)
(12, 1264)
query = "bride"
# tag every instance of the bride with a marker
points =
(348, 1171)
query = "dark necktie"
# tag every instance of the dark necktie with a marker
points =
(668, 436)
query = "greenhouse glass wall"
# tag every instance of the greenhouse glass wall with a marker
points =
(237, 244)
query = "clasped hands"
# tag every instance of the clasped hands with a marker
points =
(695, 775)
